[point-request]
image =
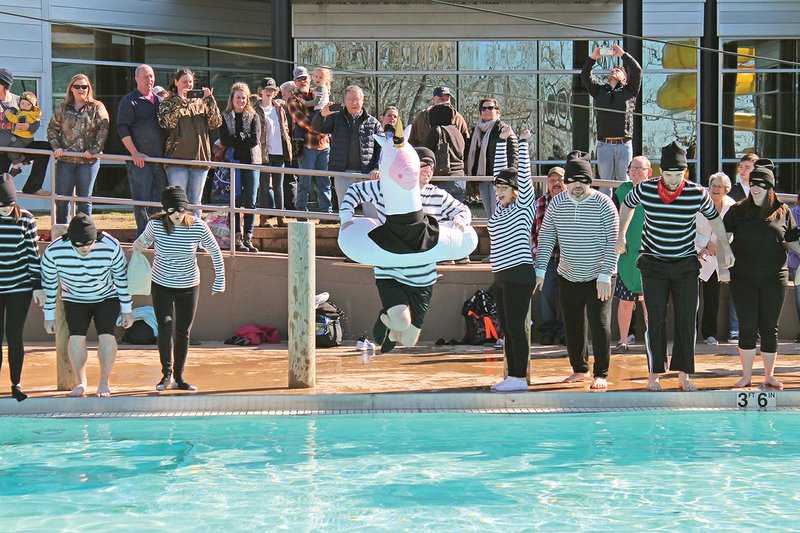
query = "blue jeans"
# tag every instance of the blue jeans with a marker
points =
(190, 179)
(272, 181)
(146, 184)
(74, 179)
(342, 184)
(613, 161)
(457, 189)
(488, 197)
(314, 160)
(247, 199)
(548, 303)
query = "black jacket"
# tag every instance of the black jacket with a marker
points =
(737, 192)
(341, 126)
(620, 98)
(512, 151)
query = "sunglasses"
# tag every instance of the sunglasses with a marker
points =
(172, 210)
(301, 78)
(78, 87)
(488, 108)
(82, 244)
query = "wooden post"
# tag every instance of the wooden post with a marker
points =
(302, 323)
(65, 376)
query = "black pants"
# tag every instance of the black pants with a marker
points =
(38, 171)
(708, 323)
(513, 301)
(578, 302)
(758, 305)
(660, 280)
(13, 312)
(393, 292)
(176, 306)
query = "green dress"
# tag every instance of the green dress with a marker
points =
(626, 266)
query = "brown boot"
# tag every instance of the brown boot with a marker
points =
(281, 222)
(263, 221)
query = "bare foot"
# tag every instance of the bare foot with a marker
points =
(743, 382)
(653, 384)
(103, 391)
(577, 376)
(77, 392)
(685, 383)
(773, 383)
(600, 383)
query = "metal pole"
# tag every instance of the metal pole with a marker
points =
(302, 324)
(232, 204)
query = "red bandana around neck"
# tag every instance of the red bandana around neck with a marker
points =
(667, 196)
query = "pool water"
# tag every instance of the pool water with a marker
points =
(446, 472)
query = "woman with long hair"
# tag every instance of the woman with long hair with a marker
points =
(241, 131)
(188, 122)
(760, 225)
(79, 124)
(176, 234)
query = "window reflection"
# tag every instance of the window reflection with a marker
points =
(666, 97)
(516, 95)
(349, 55)
(497, 55)
(411, 94)
(408, 55)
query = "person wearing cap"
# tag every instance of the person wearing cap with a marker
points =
(352, 144)
(628, 289)
(92, 273)
(669, 262)
(316, 145)
(512, 265)
(551, 327)
(761, 226)
(615, 103)
(421, 126)
(585, 223)
(176, 234)
(493, 146)
(137, 125)
(20, 278)
(276, 147)
(28, 113)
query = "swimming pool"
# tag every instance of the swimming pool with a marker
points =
(448, 471)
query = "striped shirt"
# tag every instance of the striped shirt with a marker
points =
(20, 270)
(97, 276)
(510, 226)
(175, 259)
(435, 202)
(586, 232)
(670, 229)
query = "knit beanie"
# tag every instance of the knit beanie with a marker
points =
(6, 78)
(174, 197)
(507, 176)
(762, 174)
(673, 157)
(8, 192)
(82, 229)
(578, 168)
(426, 156)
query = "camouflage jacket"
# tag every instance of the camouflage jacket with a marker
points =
(187, 123)
(79, 130)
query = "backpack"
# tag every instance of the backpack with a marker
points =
(480, 314)
(446, 141)
(328, 325)
(139, 333)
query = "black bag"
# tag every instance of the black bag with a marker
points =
(442, 154)
(480, 314)
(329, 325)
(139, 333)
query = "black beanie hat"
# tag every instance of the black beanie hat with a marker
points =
(82, 229)
(507, 176)
(8, 192)
(673, 157)
(426, 155)
(578, 168)
(6, 78)
(762, 174)
(174, 197)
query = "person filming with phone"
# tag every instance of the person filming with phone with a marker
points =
(614, 102)
(188, 115)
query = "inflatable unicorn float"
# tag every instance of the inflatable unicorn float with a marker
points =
(407, 237)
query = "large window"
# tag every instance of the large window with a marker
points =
(537, 83)
(761, 99)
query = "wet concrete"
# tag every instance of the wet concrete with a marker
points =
(219, 369)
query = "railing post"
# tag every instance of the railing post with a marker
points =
(65, 376)
(232, 216)
(302, 323)
(52, 193)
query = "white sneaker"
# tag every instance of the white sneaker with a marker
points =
(369, 346)
(511, 384)
(499, 344)
(360, 345)
(631, 339)
(711, 341)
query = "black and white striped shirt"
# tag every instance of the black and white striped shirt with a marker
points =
(510, 226)
(20, 270)
(98, 276)
(435, 202)
(670, 229)
(586, 233)
(175, 258)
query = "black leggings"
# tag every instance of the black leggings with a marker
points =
(13, 312)
(178, 306)
(513, 301)
(758, 305)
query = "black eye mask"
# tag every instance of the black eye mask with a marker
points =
(761, 182)
(583, 179)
